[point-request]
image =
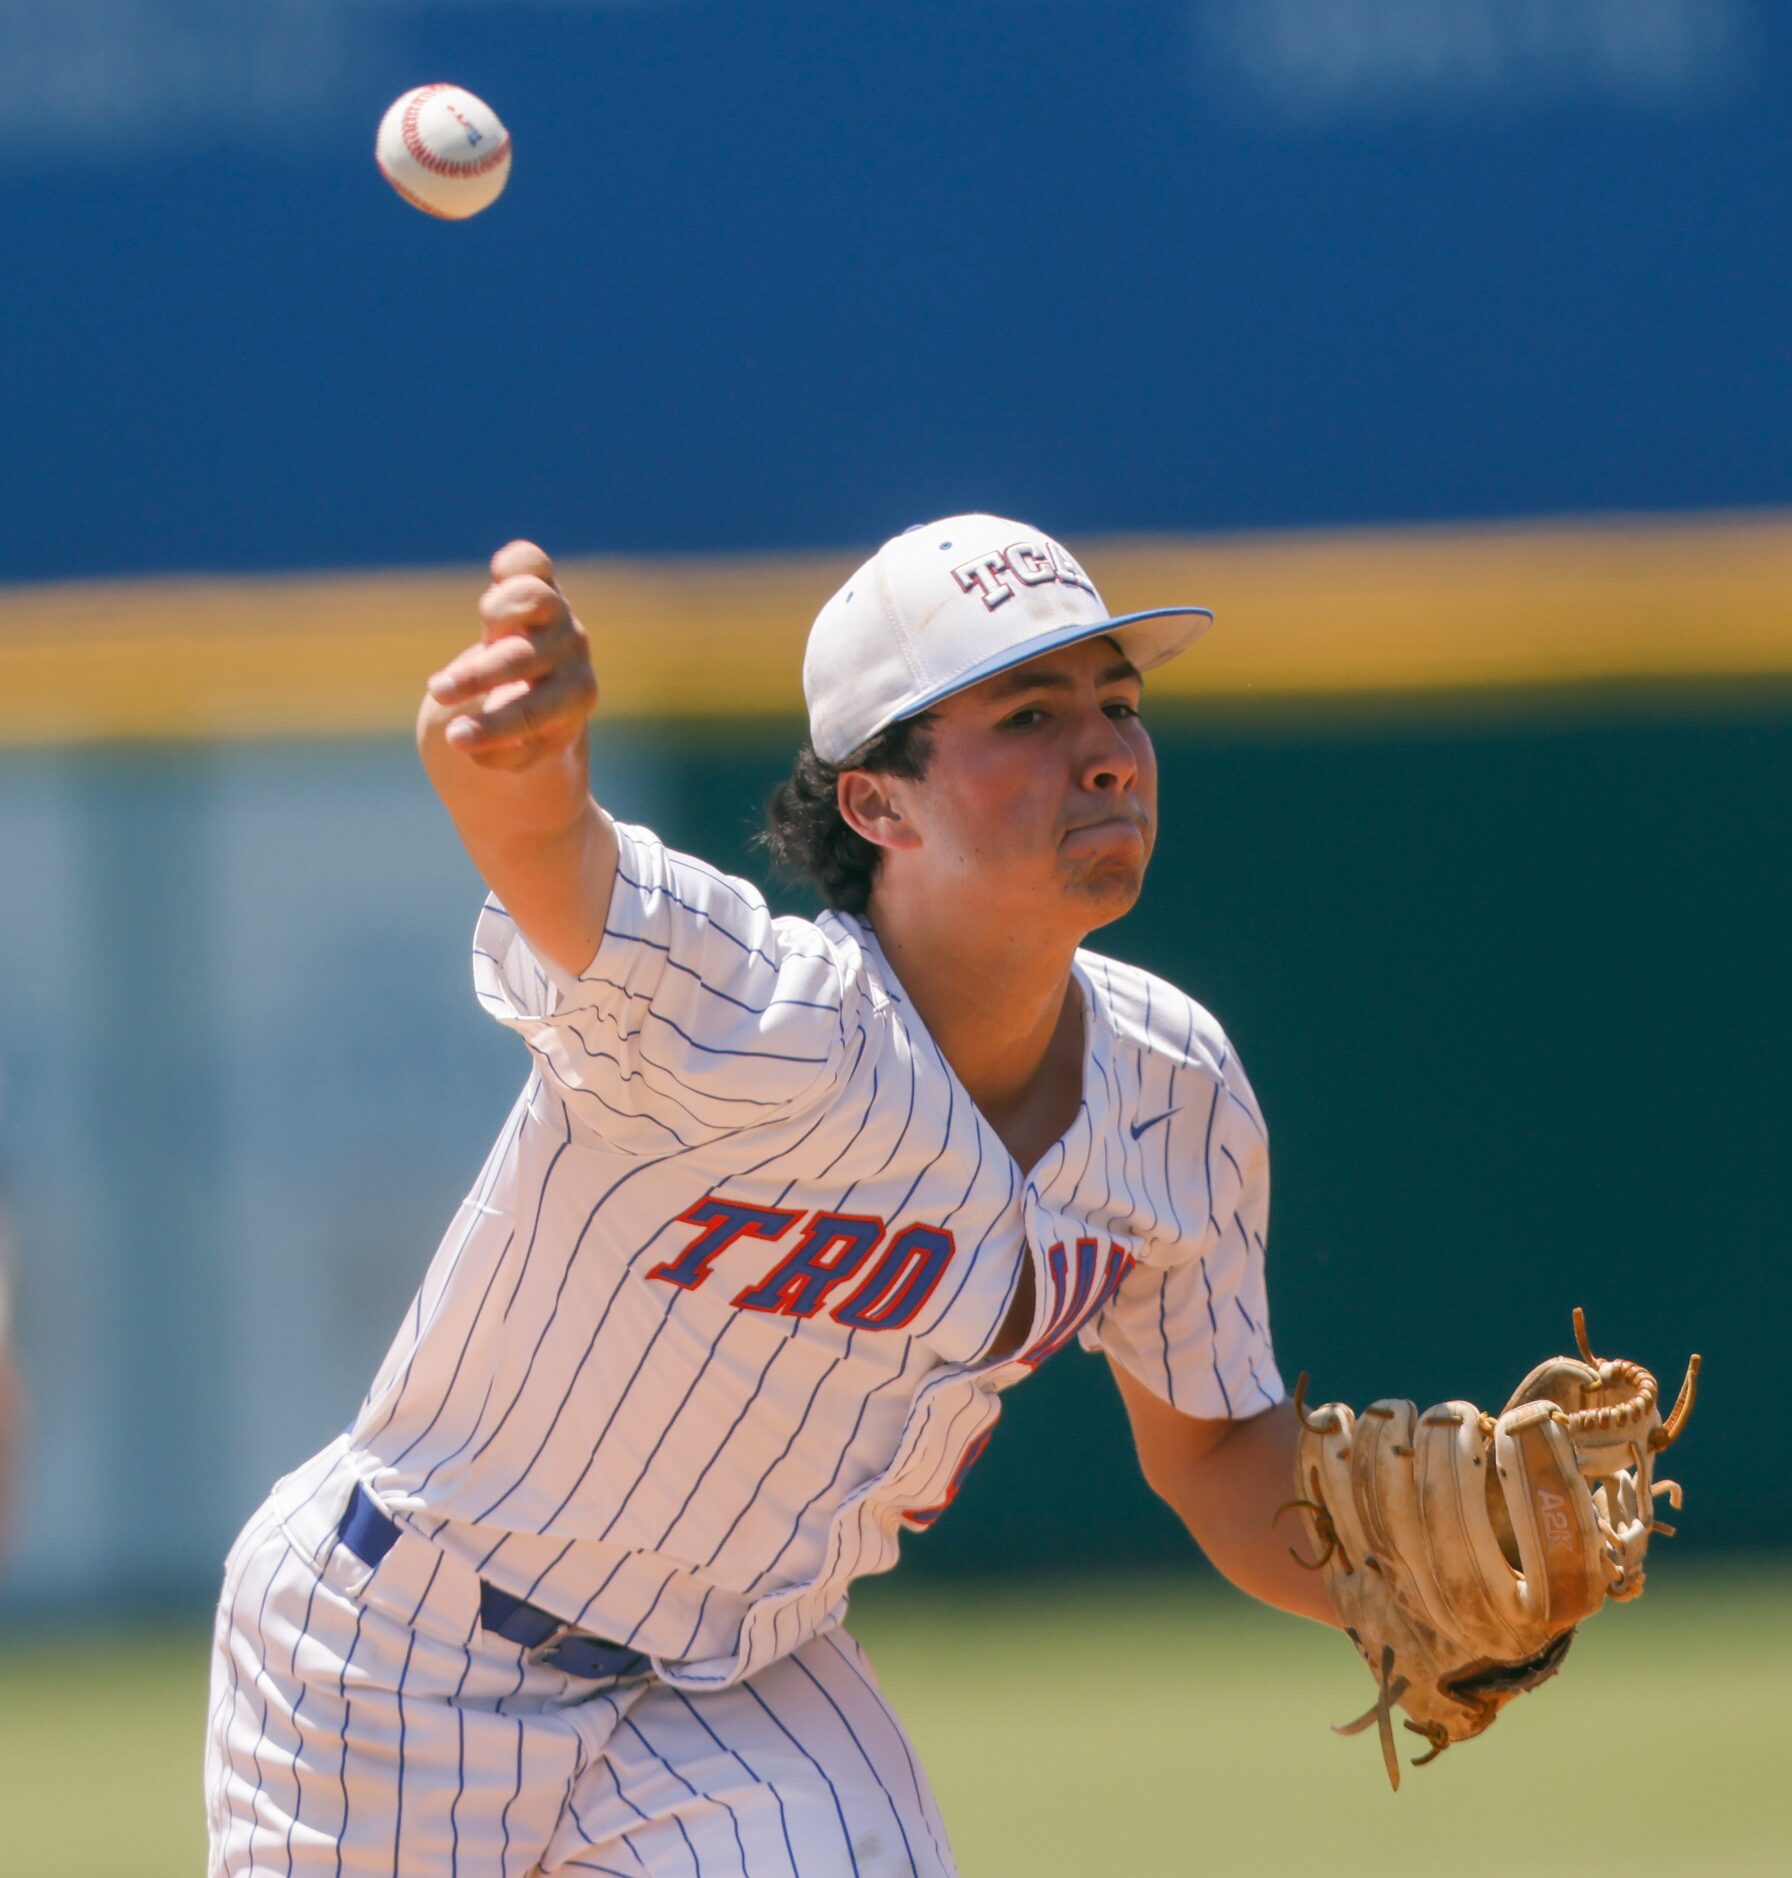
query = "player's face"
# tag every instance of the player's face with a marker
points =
(1041, 791)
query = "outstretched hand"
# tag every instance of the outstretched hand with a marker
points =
(502, 736)
(525, 690)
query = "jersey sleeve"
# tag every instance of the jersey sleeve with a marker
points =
(700, 1015)
(1191, 1320)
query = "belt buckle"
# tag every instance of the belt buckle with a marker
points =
(546, 1655)
(541, 1654)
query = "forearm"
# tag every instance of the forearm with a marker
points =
(1229, 1500)
(539, 841)
(1228, 1480)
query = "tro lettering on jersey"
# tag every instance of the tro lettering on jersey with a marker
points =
(834, 1249)
(831, 1251)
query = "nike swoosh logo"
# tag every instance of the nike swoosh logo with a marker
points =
(1138, 1128)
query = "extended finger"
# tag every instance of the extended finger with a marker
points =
(505, 755)
(520, 603)
(481, 667)
(522, 557)
(525, 712)
(472, 729)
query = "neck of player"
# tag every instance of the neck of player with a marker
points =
(1005, 1012)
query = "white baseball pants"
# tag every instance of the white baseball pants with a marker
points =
(361, 1722)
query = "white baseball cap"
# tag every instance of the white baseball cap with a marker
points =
(950, 603)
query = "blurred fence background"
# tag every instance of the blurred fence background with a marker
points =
(1440, 343)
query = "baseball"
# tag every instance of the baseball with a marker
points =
(444, 151)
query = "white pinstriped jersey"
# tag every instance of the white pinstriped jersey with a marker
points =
(710, 1332)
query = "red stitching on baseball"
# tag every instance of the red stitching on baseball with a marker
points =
(416, 202)
(428, 159)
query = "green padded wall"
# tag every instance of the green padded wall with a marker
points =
(1514, 998)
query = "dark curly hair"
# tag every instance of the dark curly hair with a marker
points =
(807, 834)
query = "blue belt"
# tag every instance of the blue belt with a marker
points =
(370, 1534)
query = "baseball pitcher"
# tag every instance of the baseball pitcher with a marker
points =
(782, 1210)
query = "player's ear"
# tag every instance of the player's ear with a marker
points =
(872, 808)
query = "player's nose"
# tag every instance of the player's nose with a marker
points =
(1106, 762)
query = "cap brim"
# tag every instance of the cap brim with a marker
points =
(1148, 639)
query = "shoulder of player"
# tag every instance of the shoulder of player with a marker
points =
(1184, 1110)
(1156, 1017)
(825, 951)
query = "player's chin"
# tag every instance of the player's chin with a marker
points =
(1107, 886)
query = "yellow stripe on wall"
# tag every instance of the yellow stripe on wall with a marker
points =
(1323, 616)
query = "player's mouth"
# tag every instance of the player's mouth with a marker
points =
(1107, 828)
(1129, 821)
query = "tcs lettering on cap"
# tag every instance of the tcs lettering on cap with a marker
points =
(1033, 563)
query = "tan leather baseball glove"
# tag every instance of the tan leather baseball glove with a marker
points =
(1461, 1549)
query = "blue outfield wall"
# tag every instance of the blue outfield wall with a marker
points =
(797, 274)
(774, 277)
(1512, 994)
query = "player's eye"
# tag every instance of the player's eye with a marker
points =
(1025, 718)
(1121, 707)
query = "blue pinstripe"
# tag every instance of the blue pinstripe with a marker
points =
(751, 1056)
(796, 1524)
(671, 1423)
(585, 1609)
(454, 1454)
(403, 1676)
(965, 1264)
(688, 906)
(1244, 1109)
(262, 1725)
(655, 1087)
(541, 1200)
(1213, 1348)
(740, 1416)
(252, 1537)
(625, 1074)
(516, 1794)
(833, 1791)
(398, 1783)
(690, 1642)
(871, 1766)
(428, 1428)
(715, 1799)
(783, 1453)
(639, 1167)
(647, 1820)
(972, 1409)
(298, 1801)
(751, 898)
(609, 1421)
(460, 1721)
(1207, 1157)
(1175, 1216)
(347, 1713)
(642, 1621)
(914, 1773)
(589, 977)
(756, 907)
(752, 1774)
